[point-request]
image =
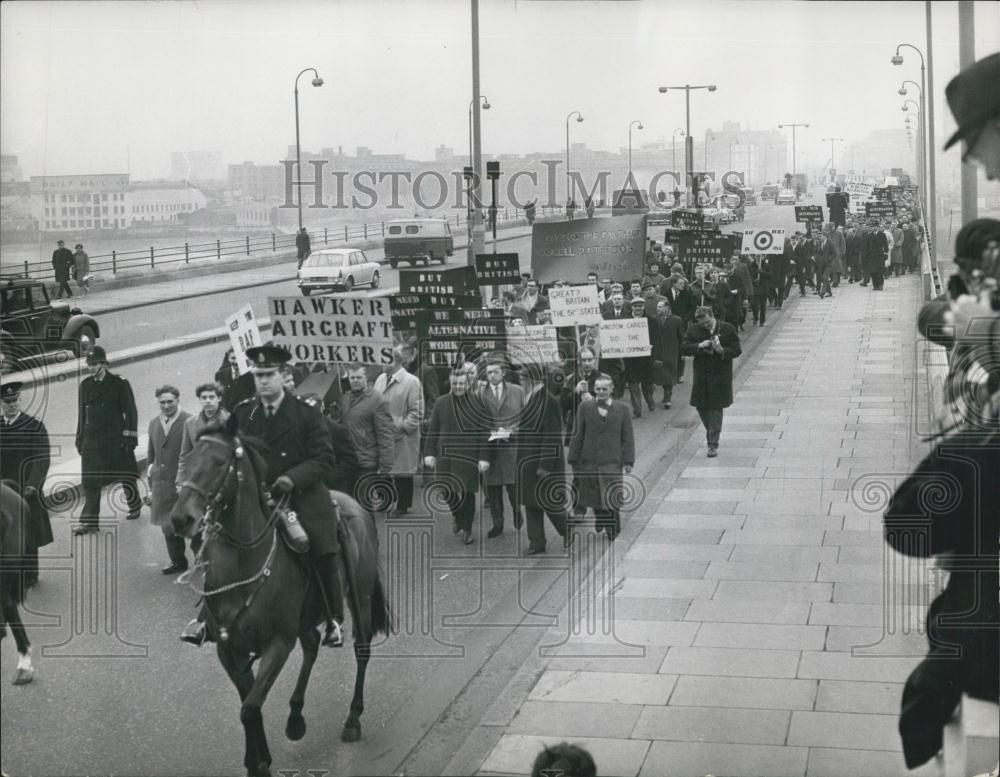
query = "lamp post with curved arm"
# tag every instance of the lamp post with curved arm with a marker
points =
(317, 81)
(579, 118)
(638, 125)
(927, 126)
(793, 126)
(688, 140)
(921, 144)
(673, 148)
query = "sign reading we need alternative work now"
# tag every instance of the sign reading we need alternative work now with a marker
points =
(333, 329)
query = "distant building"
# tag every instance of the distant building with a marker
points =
(197, 166)
(881, 150)
(164, 202)
(10, 170)
(256, 182)
(80, 202)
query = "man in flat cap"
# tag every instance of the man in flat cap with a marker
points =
(25, 463)
(106, 438)
(299, 459)
(974, 98)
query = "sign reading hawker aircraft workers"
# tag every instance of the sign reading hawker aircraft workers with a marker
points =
(764, 241)
(243, 334)
(611, 247)
(333, 329)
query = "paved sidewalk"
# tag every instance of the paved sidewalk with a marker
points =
(743, 624)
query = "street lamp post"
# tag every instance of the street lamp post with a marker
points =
(832, 140)
(688, 141)
(921, 160)
(579, 118)
(673, 148)
(926, 124)
(317, 81)
(638, 125)
(793, 126)
(468, 214)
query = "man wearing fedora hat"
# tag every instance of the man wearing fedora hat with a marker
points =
(25, 463)
(299, 459)
(106, 439)
(974, 98)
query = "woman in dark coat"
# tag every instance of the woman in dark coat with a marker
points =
(541, 461)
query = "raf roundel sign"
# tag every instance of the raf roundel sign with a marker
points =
(763, 241)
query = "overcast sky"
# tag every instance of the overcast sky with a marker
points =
(93, 87)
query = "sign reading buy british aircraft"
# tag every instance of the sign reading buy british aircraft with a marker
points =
(333, 329)
(764, 241)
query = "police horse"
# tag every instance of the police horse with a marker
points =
(13, 514)
(260, 597)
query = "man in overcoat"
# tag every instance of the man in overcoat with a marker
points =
(24, 461)
(404, 396)
(62, 265)
(713, 344)
(456, 440)
(639, 369)
(503, 402)
(365, 413)
(299, 458)
(875, 252)
(840, 251)
(667, 350)
(602, 447)
(163, 453)
(541, 461)
(106, 438)
(303, 245)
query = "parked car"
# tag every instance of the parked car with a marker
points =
(749, 197)
(337, 269)
(32, 325)
(418, 240)
(768, 192)
(785, 197)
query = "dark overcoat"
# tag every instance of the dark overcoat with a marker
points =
(456, 437)
(503, 455)
(299, 446)
(62, 263)
(541, 460)
(163, 454)
(712, 387)
(667, 350)
(875, 250)
(24, 460)
(106, 430)
(599, 450)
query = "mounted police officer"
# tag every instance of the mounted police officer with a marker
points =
(299, 458)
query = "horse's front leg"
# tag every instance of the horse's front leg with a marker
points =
(295, 728)
(25, 672)
(237, 666)
(272, 660)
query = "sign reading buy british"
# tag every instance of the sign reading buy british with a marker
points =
(333, 329)
(764, 241)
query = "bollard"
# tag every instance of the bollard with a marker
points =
(26, 268)
(218, 249)
(248, 245)
(274, 245)
(152, 258)
(345, 233)
(326, 236)
(366, 230)
(186, 254)
(383, 229)
(114, 262)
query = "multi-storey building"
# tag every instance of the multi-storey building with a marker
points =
(80, 202)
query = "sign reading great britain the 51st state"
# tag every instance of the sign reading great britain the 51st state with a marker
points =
(333, 329)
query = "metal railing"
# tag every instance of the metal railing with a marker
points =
(248, 245)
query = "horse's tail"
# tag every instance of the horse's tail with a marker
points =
(381, 613)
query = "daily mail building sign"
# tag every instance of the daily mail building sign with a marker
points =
(333, 329)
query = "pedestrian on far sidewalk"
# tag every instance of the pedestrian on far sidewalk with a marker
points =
(713, 344)
(81, 269)
(166, 435)
(303, 245)
(62, 264)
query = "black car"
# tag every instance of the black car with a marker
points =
(32, 325)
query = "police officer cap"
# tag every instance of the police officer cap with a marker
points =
(97, 355)
(267, 357)
(10, 390)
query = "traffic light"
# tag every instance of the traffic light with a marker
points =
(467, 173)
(492, 171)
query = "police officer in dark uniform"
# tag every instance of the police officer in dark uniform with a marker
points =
(106, 439)
(299, 459)
(24, 442)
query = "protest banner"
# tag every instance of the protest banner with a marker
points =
(763, 241)
(882, 194)
(629, 201)
(333, 329)
(448, 337)
(880, 209)
(405, 307)
(692, 219)
(808, 214)
(498, 269)
(692, 251)
(454, 280)
(243, 334)
(574, 305)
(533, 344)
(611, 247)
(625, 337)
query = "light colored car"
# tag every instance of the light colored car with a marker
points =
(785, 197)
(337, 269)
